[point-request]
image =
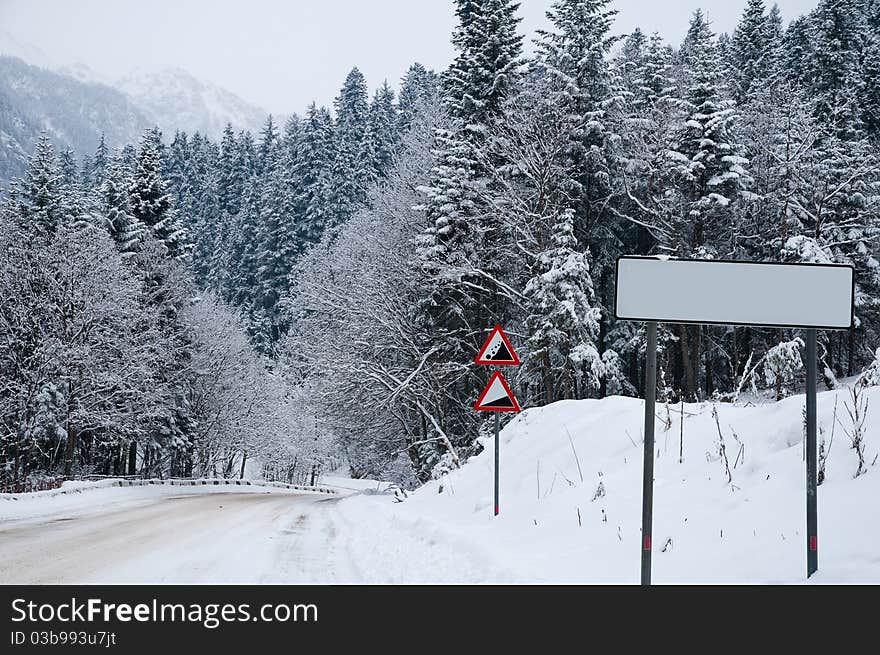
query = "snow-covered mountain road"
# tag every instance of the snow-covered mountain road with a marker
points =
(181, 538)
(206, 535)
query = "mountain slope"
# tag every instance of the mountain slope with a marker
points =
(175, 100)
(75, 113)
(75, 105)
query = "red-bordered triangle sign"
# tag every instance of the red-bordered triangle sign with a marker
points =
(497, 350)
(496, 397)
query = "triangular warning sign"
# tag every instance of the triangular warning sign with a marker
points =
(496, 397)
(497, 350)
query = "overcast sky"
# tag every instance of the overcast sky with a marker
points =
(281, 54)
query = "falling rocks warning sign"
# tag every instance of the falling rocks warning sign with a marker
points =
(497, 397)
(497, 350)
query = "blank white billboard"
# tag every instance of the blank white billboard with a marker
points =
(740, 293)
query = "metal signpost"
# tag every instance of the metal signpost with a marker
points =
(812, 483)
(810, 296)
(648, 460)
(497, 396)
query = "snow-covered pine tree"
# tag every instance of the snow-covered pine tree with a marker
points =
(114, 207)
(418, 87)
(629, 60)
(242, 262)
(707, 162)
(37, 198)
(573, 55)
(68, 175)
(870, 100)
(129, 158)
(99, 163)
(266, 155)
(177, 171)
(352, 170)
(218, 279)
(724, 48)
(797, 51)
(698, 203)
(382, 132)
(290, 141)
(562, 322)
(656, 78)
(246, 159)
(750, 51)
(72, 199)
(311, 175)
(277, 249)
(150, 201)
(205, 219)
(230, 184)
(460, 253)
(837, 32)
(774, 36)
(85, 174)
(456, 249)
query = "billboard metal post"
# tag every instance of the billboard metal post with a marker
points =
(812, 513)
(648, 473)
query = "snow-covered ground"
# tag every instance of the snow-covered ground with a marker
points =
(571, 501)
(570, 512)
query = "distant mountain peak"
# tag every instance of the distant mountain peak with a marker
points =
(177, 100)
(75, 113)
(11, 46)
(172, 98)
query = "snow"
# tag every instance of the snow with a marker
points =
(152, 535)
(339, 481)
(570, 511)
(706, 530)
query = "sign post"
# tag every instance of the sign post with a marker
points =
(496, 396)
(810, 296)
(648, 464)
(497, 457)
(812, 513)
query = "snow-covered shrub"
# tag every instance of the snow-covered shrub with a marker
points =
(870, 377)
(856, 407)
(616, 381)
(782, 363)
(443, 466)
(805, 249)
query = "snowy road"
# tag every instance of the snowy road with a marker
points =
(163, 535)
(210, 538)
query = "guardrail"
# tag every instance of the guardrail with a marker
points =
(30, 486)
(175, 482)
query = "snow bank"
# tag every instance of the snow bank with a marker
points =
(341, 483)
(571, 499)
(71, 498)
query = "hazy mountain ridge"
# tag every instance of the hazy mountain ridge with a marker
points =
(75, 113)
(176, 100)
(75, 104)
